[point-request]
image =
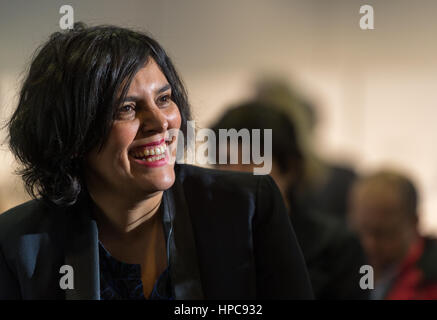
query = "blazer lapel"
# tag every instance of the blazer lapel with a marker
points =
(82, 253)
(182, 254)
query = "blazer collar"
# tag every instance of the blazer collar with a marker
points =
(83, 255)
(82, 251)
(184, 266)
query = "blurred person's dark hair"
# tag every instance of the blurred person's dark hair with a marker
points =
(68, 100)
(324, 184)
(259, 115)
(276, 91)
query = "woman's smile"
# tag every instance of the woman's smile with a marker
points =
(153, 154)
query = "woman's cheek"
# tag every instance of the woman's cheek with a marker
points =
(125, 133)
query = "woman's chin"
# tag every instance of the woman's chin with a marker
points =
(160, 180)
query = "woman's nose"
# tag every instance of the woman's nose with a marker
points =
(154, 121)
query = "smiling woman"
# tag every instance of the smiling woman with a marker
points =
(91, 131)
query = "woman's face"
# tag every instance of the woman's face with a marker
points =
(135, 158)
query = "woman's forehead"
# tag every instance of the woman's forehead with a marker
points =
(149, 79)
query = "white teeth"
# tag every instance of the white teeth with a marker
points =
(157, 151)
(155, 158)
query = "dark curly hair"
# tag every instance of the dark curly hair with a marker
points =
(68, 100)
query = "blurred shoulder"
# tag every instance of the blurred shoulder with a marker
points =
(336, 230)
(231, 181)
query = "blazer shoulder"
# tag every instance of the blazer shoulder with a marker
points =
(218, 179)
(229, 189)
(28, 217)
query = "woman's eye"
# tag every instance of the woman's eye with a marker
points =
(126, 111)
(165, 99)
(127, 108)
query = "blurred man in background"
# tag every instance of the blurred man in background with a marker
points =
(332, 254)
(383, 210)
(325, 185)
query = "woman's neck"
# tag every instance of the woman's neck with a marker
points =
(133, 234)
(125, 218)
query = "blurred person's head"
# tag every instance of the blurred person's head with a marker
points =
(286, 157)
(280, 92)
(277, 90)
(383, 211)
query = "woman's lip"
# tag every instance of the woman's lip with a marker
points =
(152, 164)
(150, 144)
(155, 143)
(169, 142)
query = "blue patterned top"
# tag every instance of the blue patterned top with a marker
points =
(122, 281)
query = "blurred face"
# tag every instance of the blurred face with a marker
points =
(385, 230)
(135, 158)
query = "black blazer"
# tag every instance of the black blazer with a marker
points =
(228, 237)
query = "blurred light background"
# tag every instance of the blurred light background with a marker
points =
(375, 90)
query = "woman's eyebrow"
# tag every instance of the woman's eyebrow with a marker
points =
(131, 99)
(164, 88)
(136, 98)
